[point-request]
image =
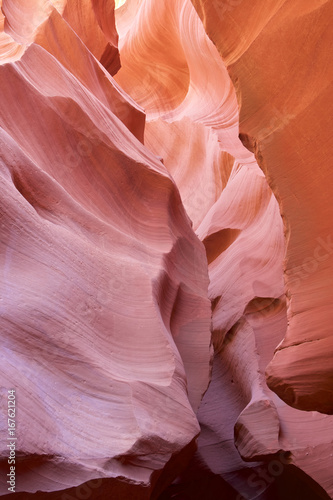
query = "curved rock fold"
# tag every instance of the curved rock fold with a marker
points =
(165, 247)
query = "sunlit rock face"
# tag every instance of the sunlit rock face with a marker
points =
(105, 317)
(287, 122)
(192, 123)
(140, 230)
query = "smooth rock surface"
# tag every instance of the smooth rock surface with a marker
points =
(104, 308)
(147, 154)
(279, 58)
(237, 217)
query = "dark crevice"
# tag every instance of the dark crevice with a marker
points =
(22, 189)
(218, 242)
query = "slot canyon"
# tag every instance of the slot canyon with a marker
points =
(166, 249)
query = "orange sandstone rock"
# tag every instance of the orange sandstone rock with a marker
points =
(279, 58)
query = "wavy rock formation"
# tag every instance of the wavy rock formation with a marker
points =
(238, 219)
(139, 229)
(104, 308)
(280, 121)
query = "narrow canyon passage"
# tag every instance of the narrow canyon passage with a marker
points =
(147, 292)
(192, 123)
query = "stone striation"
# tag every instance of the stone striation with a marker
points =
(147, 154)
(104, 308)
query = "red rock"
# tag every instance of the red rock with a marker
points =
(279, 58)
(93, 234)
(242, 232)
(108, 186)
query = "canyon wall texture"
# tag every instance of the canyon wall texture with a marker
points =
(279, 59)
(166, 251)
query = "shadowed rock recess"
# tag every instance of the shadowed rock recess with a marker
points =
(166, 249)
